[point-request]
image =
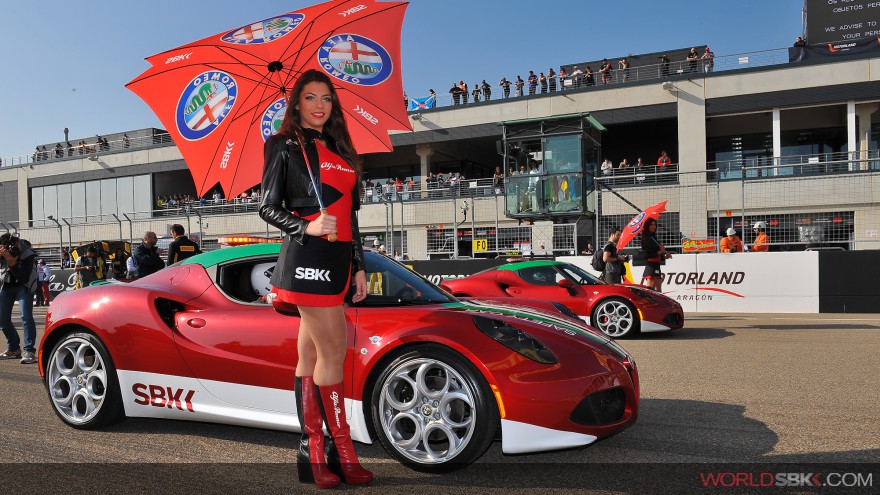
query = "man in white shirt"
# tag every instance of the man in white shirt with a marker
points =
(607, 167)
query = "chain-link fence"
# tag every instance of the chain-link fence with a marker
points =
(689, 197)
(207, 223)
(476, 227)
(837, 211)
(827, 211)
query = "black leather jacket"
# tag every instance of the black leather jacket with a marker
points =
(287, 187)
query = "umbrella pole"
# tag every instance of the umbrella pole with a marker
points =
(332, 235)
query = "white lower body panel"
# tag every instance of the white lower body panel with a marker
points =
(646, 326)
(521, 438)
(154, 395)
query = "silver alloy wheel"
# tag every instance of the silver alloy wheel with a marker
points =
(77, 380)
(427, 411)
(614, 318)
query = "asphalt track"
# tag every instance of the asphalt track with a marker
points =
(760, 393)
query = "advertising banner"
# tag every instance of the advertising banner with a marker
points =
(831, 50)
(784, 282)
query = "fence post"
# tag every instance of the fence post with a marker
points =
(120, 225)
(401, 228)
(130, 228)
(60, 233)
(69, 233)
(473, 223)
(454, 230)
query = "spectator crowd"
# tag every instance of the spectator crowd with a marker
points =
(606, 73)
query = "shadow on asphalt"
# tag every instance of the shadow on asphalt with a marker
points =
(824, 326)
(669, 448)
(686, 333)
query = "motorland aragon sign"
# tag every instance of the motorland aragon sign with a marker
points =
(783, 282)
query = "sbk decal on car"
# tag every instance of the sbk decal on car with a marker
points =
(159, 396)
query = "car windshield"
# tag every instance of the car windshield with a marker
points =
(389, 283)
(578, 275)
(541, 275)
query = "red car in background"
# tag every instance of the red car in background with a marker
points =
(616, 310)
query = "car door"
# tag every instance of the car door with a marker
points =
(243, 354)
(542, 282)
(241, 350)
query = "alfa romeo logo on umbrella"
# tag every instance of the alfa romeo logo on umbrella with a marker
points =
(205, 102)
(265, 31)
(637, 221)
(272, 118)
(355, 59)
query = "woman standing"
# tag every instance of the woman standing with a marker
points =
(655, 253)
(314, 127)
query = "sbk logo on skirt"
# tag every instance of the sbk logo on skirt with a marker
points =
(312, 274)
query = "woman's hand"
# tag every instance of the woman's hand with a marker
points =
(360, 282)
(321, 226)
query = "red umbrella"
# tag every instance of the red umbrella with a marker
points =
(221, 97)
(634, 227)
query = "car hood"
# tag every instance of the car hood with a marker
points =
(544, 325)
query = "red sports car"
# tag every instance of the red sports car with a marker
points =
(617, 310)
(431, 377)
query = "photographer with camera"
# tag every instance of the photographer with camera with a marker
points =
(88, 268)
(18, 282)
(614, 263)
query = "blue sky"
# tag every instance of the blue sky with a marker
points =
(65, 63)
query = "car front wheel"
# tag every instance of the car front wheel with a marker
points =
(81, 382)
(616, 318)
(432, 410)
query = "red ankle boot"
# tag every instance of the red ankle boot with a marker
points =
(310, 462)
(340, 453)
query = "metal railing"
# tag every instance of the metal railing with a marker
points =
(651, 72)
(382, 192)
(834, 209)
(760, 167)
(88, 150)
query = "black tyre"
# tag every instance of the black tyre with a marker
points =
(82, 383)
(432, 410)
(616, 318)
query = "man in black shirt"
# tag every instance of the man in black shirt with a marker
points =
(487, 90)
(88, 268)
(455, 91)
(146, 256)
(613, 262)
(664, 65)
(182, 247)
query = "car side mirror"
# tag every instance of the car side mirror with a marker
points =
(569, 286)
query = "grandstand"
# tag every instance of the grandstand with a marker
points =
(794, 144)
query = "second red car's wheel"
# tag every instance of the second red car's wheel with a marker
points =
(616, 318)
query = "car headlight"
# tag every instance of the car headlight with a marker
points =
(514, 339)
(642, 294)
(566, 311)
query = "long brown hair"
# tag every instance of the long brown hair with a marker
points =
(335, 126)
(646, 230)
